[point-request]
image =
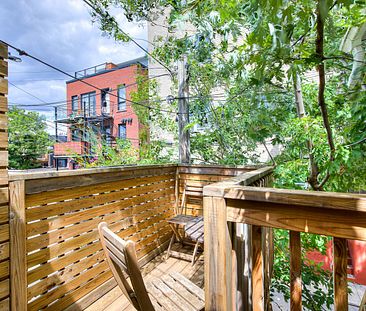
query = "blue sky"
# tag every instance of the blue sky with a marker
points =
(59, 32)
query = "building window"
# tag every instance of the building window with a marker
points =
(122, 98)
(74, 103)
(75, 135)
(61, 162)
(88, 104)
(122, 131)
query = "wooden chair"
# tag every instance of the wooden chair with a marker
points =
(188, 222)
(171, 292)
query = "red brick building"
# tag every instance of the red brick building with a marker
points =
(105, 109)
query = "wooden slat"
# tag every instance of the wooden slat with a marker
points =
(218, 264)
(3, 68)
(4, 251)
(340, 274)
(59, 235)
(67, 194)
(67, 300)
(51, 296)
(3, 85)
(47, 211)
(257, 269)
(4, 213)
(52, 266)
(107, 289)
(4, 193)
(61, 221)
(3, 51)
(295, 271)
(321, 199)
(3, 126)
(214, 170)
(331, 222)
(5, 304)
(173, 296)
(41, 182)
(4, 232)
(66, 275)
(3, 103)
(18, 246)
(4, 288)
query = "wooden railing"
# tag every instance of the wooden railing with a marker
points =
(342, 216)
(59, 261)
(195, 177)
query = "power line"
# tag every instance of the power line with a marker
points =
(24, 53)
(105, 14)
(30, 94)
(54, 104)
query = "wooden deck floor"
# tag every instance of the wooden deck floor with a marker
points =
(115, 300)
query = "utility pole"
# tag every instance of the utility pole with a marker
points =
(183, 112)
(298, 96)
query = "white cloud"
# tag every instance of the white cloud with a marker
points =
(61, 33)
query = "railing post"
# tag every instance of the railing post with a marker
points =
(340, 274)
(218, 258)
(295, 271)
(257, 270)
(18, 270)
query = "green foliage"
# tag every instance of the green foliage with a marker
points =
(121, 153)
(28, 139)
(251, 51)
(318, 289)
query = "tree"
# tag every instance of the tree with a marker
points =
(256, 52)
(28, 138)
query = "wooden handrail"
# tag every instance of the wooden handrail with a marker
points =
(340, 215)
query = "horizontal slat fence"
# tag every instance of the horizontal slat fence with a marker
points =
(62, 254)
(4, 198)
(60, 264)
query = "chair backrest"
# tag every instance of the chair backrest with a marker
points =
(122, 259)
(190, 191)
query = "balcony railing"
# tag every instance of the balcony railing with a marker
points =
(230, 204)
(57, 260)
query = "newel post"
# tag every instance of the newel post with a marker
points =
(18, 270)
(219, 276)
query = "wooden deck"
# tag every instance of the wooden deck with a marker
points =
(115, 300)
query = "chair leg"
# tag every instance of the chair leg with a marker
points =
(195, 253)
(170, 246)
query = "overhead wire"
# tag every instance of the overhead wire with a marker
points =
(24, 53)
(53, 104)
(106, 14)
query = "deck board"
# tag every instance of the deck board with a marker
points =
(114, 300)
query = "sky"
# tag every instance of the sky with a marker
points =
(60, 32)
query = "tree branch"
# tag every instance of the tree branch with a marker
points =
(319, 49)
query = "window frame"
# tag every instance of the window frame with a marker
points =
(86, 108)
(122, 125)
(121, 101)
(74, 100)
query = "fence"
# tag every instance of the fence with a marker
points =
(60, 263)
(4, 194)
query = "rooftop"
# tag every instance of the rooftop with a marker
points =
(107, 67)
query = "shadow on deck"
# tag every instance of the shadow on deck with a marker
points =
(157, 267)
